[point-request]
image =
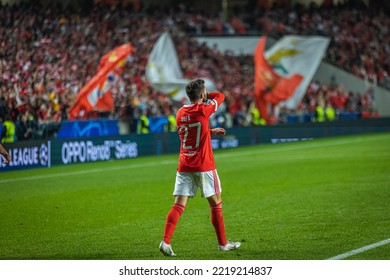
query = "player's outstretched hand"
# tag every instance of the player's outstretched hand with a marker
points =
(5, 154)
(218, 131)
(7, 159)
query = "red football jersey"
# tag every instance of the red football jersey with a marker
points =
(196, 153)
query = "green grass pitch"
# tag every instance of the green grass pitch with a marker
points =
(308, 200)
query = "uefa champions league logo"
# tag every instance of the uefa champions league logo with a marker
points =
(33, 155)
(44, 155)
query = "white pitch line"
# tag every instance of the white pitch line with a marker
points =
(360, 250)
(308, 145)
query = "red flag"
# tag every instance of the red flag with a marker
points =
(97, 93)
(270, 87)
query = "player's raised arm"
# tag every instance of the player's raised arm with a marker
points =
(217, 96)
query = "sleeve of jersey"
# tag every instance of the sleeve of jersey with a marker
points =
(215, 99)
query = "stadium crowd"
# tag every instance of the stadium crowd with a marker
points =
(360, 34)
(48, 53)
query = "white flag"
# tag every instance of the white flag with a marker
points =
(163, 70)
(297, 55)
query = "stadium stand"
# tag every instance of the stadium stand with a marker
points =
(47, 53)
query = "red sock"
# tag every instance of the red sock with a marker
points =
(218, 223)
(172, 219)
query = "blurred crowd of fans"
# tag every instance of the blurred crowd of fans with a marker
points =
(47, 53)
(360, 34)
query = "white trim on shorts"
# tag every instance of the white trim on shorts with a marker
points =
(187, 183)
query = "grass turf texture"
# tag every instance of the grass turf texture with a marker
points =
(304, 200)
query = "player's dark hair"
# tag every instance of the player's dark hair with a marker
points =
(194, 89)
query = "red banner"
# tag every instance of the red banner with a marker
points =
(97, 93)
(270, 87)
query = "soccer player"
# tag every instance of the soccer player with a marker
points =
(5, 154)
(196, 168)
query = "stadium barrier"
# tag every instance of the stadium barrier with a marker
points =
(31, 154)
(111, 127)
(34, 154)
(101, 127)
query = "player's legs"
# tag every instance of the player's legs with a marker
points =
(217, 220)
(184, 188)
(212, 190)
(173, 217)
(182, 200)
(170, 224)
(214, 199)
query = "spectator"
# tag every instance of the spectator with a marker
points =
(143, 126)
(8, 130)
(25, 127)
(330, 113)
